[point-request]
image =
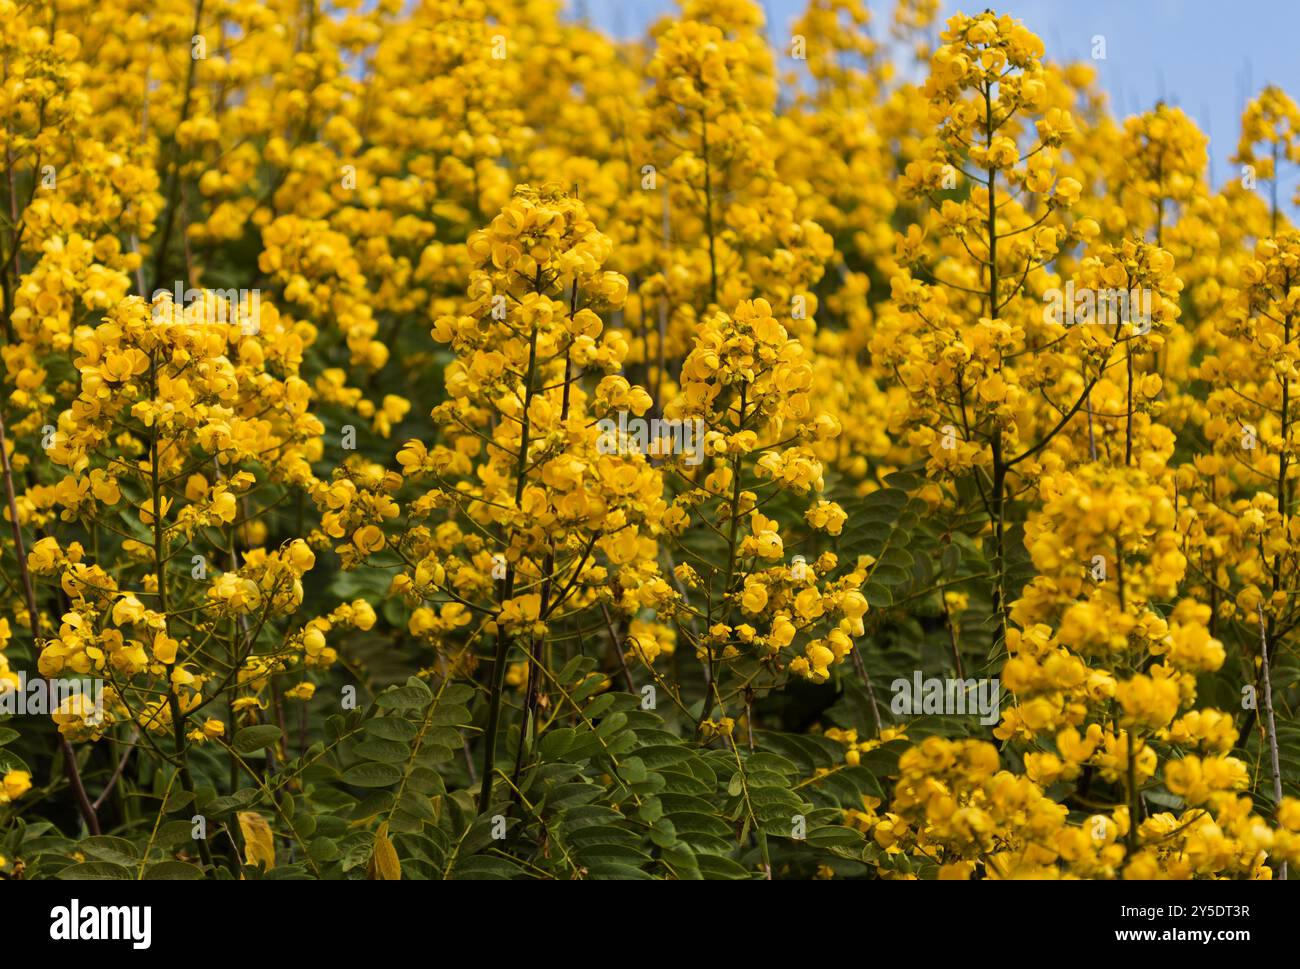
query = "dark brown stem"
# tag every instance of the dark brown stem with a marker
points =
(33, 614)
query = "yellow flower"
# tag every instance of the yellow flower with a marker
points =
(164, 648)
(16, 783)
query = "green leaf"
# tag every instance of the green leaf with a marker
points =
(387, 751)
(419, 805)
(485, 867)
(556, 742)
(118, 851)
(392, 728)
(425, 781)
(877, 596)
(173, 871)
(94, 871)
(252, 739)
(413, 695)
(372, 775)
(718, 867)
(235, 802)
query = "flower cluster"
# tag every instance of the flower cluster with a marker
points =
(416, 413)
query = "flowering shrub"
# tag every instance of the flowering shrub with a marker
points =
(442, 441)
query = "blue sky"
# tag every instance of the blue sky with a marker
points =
(1206, 56)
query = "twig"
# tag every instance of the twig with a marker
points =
(1268, 713)
(29, 593)
(121, 766)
